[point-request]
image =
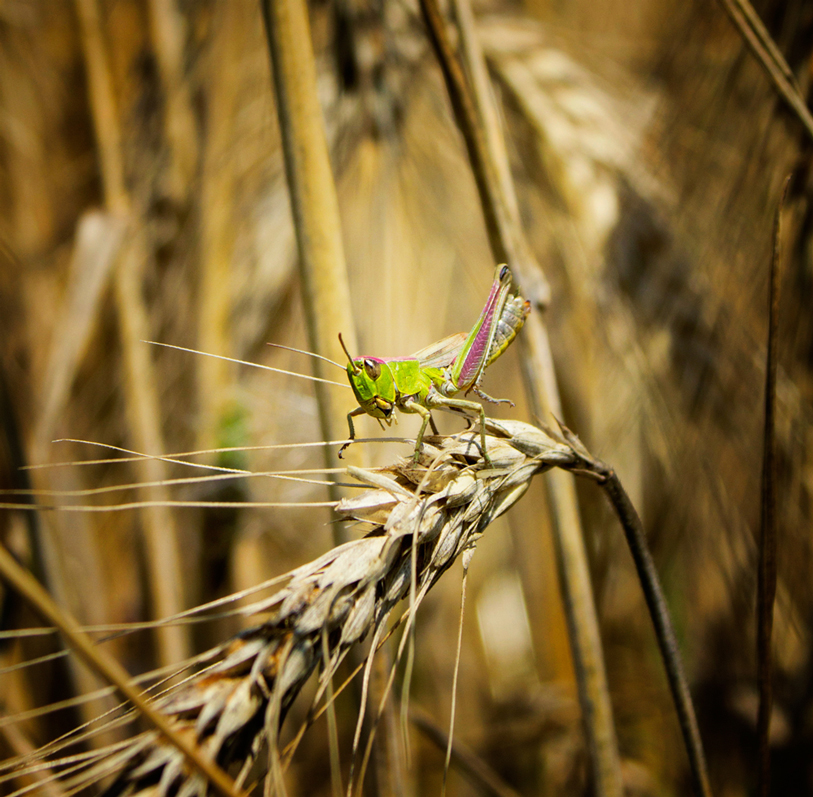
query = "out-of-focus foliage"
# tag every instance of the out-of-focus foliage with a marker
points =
(648, 149)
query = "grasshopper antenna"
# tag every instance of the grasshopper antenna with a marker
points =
(356, 369)
(309, 353)
(245, 362)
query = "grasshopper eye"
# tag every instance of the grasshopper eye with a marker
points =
(505, 272)
(373, 369)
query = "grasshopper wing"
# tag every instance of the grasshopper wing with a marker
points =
(441, 353)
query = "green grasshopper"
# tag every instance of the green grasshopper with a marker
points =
(429, 378)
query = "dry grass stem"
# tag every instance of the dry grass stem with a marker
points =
(314, 203)
(543, 392)
(167, 30)
(25, 584)
(656, 603)
(766, 568)
(531, 277)
(144, 414)
(770, 57)
(215, 375)
(143, 408)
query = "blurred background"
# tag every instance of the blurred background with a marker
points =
(648, 149)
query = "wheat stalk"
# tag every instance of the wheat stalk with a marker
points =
(421, 518)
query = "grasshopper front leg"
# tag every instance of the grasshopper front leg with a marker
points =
(352, 435)
(437, 400)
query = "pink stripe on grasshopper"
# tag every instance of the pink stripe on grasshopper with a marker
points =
(468, 369)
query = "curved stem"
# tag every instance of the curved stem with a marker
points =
(661, 620)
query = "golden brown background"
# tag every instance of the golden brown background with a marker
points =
(648, 148)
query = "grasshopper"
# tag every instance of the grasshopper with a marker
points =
(432, 376)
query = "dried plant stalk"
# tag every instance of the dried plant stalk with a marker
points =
(506, 239)
(315, 211)
(168, 34)
(770, 57)
(215, 377)
(26, 585)
(314, 204)
(160, 530)
(766, 568)
(656, 603)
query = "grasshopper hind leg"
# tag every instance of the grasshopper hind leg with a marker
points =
(483, 395)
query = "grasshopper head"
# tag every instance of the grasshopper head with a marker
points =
(373, 385)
